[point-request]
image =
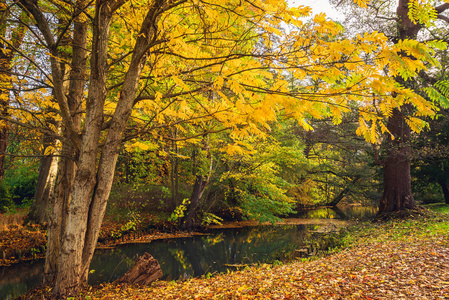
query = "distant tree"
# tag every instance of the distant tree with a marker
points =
(11, 37)
(340, 163)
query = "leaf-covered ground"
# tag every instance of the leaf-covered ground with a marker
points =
(20, 243)
(397, 260)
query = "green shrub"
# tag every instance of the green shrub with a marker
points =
(19, 184)
(5, 198)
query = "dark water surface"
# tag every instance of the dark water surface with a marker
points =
(188, 257)
(199, 255)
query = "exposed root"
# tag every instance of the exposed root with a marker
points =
(413, 213)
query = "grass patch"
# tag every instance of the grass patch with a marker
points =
(434, 223)
(439, 207)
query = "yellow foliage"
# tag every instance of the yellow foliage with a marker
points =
(234, 63)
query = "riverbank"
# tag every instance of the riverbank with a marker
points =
(397, 259)
(19, 242)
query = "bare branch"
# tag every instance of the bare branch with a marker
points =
(40, 129)
(442, 8)
(444, 18)
(38, 156)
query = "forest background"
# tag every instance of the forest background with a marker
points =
(241, 110)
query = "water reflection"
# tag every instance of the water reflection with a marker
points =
(18, 279)
(199, 255)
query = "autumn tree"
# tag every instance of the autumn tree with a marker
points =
(401, 21)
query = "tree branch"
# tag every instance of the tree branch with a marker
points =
(442, 17)
(40, 129)
(442, 8)
(377, 159)
(57, 73)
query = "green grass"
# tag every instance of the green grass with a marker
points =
(434, 223)
(439, 207)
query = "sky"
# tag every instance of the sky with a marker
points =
(317, 7)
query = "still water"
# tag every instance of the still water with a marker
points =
(186, 257)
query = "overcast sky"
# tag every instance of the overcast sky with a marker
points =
(317, 7)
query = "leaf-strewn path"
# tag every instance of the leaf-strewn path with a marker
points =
(414, 268)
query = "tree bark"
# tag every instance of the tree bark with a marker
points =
(61, 197)
(59, 200)
(397, 194)
(93, 181)
(445, 189)
(70, 264)
(41, 209)
(197, 193)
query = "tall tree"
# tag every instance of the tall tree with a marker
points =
(397, 193)
(403, 22)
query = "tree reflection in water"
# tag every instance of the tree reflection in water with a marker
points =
(199, 255)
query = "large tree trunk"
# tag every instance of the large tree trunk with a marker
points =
(81, 212)
(70, 263)
(59, 200)
(93, 181)
(60, 197)
(397, 193)
(197, 193)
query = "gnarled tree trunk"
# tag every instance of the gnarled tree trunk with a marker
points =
(93, 178)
